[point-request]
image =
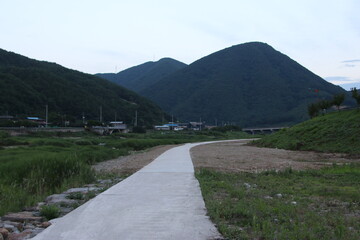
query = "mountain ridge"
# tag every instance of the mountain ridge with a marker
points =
(141, 76)
(249, 84)
(27, 85)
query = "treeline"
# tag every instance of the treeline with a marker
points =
(314, 109)
(27, 86)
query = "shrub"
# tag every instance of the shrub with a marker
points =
(50, 211)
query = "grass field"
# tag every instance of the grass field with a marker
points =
(311, 204)
(333, 132)
(40, 164)
(316, 204)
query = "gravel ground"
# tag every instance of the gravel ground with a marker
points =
(229, 157)
(132, 162)
(237, 157)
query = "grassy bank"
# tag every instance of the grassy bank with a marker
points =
(333, 132)
(34, 166)
(316, 204)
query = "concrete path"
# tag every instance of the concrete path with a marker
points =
(161, 201)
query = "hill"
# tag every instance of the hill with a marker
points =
(249, 84)
(333, 132)
(27, 85)
(142, 76)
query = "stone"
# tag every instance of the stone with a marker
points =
(20, 236)
(4, 233)
(279, 195)
(268, 197)
(247, 185)
(104, 181)
(59, 199)
(21, 217)
(45, 224)
(81, 190)
(293, 203)
(11, 226)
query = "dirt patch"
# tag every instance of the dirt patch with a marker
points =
(132, 162)
(237, 157)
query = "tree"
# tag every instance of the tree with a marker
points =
(324, 105)
(356, 95)
(338, 100)
(313, 110)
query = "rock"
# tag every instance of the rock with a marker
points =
(104, 181)
(4, 233)
(247, 185)
(1, 237)
(268, 197)
(21, 217)
(59, 199)
(36, 231)
(293, 203)
(81, 190)
(20, 236)
(45, 224)
(29, 226)
(279, 195)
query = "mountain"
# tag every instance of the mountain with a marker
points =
(142, 76)
(27, 85)
(250, 84)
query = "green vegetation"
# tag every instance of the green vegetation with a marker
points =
(333, 132)
(50, 211)
(316, 204)
(27, 85)
(249, 85)
(37, 165)
(355, 94)
(140, 77)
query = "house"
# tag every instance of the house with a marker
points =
(117, 127)
(196, 126)
(162, 128)
(39, 121)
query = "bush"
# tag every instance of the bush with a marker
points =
(139, 130)
(50, 211)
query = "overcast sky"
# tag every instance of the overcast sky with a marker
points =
(95, 36)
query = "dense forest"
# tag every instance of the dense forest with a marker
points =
(27, 86)
(147, 74)
(249, 84)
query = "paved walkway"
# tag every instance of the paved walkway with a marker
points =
(161, 201)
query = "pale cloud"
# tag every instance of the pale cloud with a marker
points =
(350, 65)
(351, 61)
(338, 79)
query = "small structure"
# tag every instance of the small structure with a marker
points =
(39, 121)
(117, 127)
(196, 126)
(162, 128)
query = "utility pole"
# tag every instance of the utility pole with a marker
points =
(100, 114)
(200, 124)
(115, 116)
(135, 124)
(83, 117)
(46, 118)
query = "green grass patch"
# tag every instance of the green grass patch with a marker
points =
(333, 132)
(314, 204)
(51, 162)
(50, 211)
